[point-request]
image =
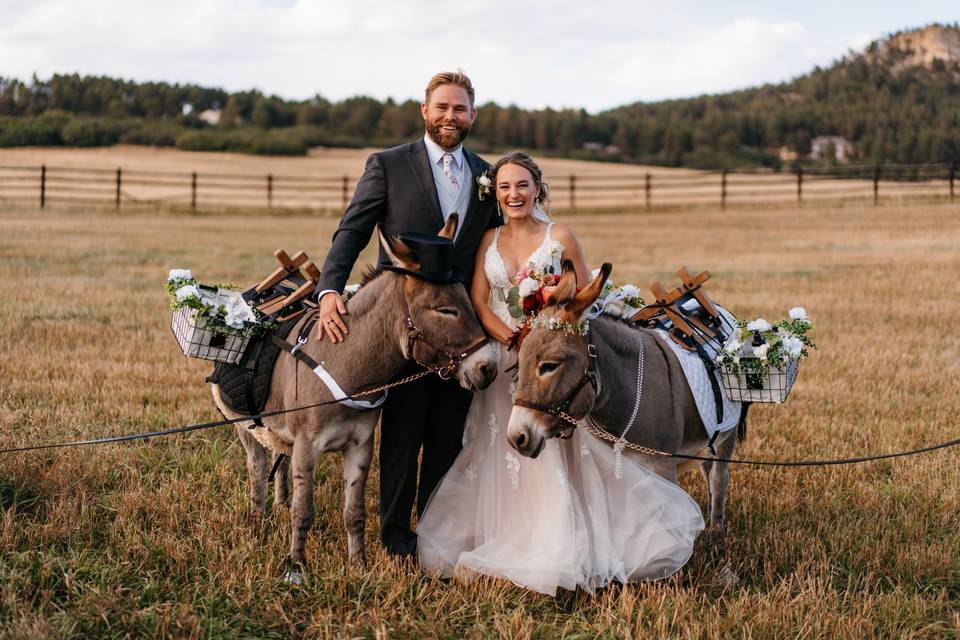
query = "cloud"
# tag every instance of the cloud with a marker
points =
(597, 55)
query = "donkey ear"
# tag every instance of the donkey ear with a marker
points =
(399, 253)
(567, 287)
(582, 301)
(449, 230)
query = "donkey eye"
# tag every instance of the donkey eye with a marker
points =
(448, 311)
(547, 368)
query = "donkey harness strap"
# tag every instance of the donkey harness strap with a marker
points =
(327, 379)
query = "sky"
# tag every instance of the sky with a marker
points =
(594, 54)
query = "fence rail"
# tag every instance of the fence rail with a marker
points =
(640, 189)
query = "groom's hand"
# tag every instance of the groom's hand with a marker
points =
(330, 322)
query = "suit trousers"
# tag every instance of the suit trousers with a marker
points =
(430, 414)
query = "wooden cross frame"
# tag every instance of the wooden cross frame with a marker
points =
(687, 330)
(303, 277)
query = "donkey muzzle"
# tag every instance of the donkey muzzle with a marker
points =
(479, 369)
(525, 433)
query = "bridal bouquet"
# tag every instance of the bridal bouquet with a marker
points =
(533, 284)
(766, 355)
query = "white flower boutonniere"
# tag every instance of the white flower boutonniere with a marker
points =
(484, 185)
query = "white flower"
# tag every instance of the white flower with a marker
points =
(793, 346)
(187, 291)
(733, 346)
(237, 312)
(761, 351)
(350, 290)
(630, 291)
(528, 286)
(485, 180)
(798, 313)
(555, 248)
(760, 325)
(179, 274)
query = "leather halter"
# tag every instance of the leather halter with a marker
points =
(414, 335)
(560, 411)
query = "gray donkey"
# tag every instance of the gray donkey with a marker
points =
(381, 342)
(555, 372)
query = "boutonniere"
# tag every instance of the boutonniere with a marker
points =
(484, 185)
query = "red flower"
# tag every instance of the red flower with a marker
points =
(533, 302)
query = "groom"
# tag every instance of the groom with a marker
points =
(414, 188)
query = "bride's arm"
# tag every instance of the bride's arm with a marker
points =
(572, 251)
(480, 295)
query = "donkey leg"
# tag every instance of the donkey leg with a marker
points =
(281, 482)
(356, 465)
(302, 511)
(719, 481)
(705, 468)
(256, 468)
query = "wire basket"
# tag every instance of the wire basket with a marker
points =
(198, 341)
(773, 387)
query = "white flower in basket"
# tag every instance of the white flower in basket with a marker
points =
(760, 361)
(211, 323)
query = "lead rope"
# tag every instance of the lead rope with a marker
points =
(621, 442)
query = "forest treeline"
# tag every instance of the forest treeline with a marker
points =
(890, 112)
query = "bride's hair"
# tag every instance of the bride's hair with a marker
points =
(521, 159)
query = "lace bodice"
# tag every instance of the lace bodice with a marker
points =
(546, 256)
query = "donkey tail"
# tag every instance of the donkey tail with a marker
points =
(742, 425)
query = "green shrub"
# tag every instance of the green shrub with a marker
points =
(152, 134)
(32, 132)
(90, 132)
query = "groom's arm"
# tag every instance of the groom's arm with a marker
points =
(359, 220)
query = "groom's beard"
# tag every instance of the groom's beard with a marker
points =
(447, 140)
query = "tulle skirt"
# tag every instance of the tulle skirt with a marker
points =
(562, 520)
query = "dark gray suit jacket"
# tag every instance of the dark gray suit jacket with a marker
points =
(397, 191)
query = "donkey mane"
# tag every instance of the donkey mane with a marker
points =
(371, 272)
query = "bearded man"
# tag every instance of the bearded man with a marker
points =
(414, 188)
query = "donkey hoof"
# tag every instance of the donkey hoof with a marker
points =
(294, 578)
(726, 578)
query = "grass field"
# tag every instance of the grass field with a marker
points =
(153, 539)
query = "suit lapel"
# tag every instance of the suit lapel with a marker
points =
(420, 165)
(476, 168)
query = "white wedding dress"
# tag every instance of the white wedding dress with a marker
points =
(560, 520)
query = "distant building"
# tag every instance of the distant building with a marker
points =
(210, 116)
(786, 154)
(600, 148)
(821, 147)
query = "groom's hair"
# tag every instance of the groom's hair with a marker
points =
(458, 78)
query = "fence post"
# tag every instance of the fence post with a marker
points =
(573, 191)
(193, 190)
(876, 185)
(799, 185)
(269, 191)
(953, 177)
(344, 190)
(723, 189)
(646, 190)
(119, 183)
(43, 185)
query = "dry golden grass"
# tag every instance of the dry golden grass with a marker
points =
(153, 539)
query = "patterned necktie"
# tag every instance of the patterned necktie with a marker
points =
(447, 161)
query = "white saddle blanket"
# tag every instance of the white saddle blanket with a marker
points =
(697, 378)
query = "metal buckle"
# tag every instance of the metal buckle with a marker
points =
(301, 340)
(592, 350)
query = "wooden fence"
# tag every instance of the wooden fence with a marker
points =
(636, 188)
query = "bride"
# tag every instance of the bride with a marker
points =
(562, 519)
